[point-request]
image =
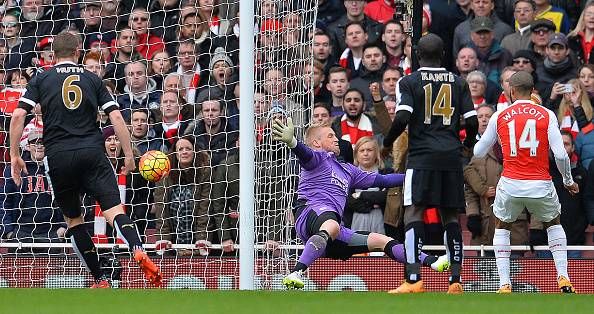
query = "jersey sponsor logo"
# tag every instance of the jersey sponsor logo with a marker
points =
(341, 182)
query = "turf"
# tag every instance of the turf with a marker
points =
(261, 302)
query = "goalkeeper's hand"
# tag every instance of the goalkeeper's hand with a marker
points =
(284, 132)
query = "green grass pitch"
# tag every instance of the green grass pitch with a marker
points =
(263, 302)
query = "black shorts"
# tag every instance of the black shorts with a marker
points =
(434, 188)
(74, 172)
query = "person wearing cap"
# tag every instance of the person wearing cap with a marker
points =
(556, 70)
(492, 57)
(544, 10)
(524, 13)
(92, 24)
(580, 38)
(524, 60)
(526, 181)
(480, 8)
(541, 30)
(355, 11)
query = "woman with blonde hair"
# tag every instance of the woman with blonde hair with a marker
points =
(575, 109)
(367, 206)
(583, 34)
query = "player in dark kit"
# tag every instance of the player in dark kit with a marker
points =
(75, 159)
(431, 102)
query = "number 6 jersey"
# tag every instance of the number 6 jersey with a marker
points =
(69, 97)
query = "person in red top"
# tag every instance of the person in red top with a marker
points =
(148, 44)
(381, 10)
(526, 132)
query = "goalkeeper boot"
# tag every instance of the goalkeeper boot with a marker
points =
(294, 280)
(565, 285)
(505, 289)
(407, 287)
(150, 270)
(455, 288)
(441, 264)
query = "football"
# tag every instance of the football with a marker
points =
(154, 165)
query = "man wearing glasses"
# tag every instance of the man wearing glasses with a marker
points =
(148, 43)
(524, 12)
(20, 50)
(541, 30)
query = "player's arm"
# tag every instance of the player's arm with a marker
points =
(17, 124)
(364, 179)
(286, 134)
(404, 111)
(561, 158)
(488, 139)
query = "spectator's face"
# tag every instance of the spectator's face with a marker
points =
(292, 21)
(321, 115)
(482, 7)
(338, 83)
(91, 15)
(321, 48)
(505, 82)
(367, 155)
(557, 53)
(101, 48)
(389, 80)
(221, 72)
(373, 59)
(391, 106)
(10, 26)
(589, 17)
(567, 143)
(523, 64)
(260, 106)
(355, 36)
(139, 21)
(355, 8)
(273, 83)
(524, 13)
(466, 60)
(113, 146)
(139, 124)
(110, 7)
(127, 41)
(37, 150)
(47, 55)
(184, 151)
(477, 86)
(353, 104)
(136, 77)
(174, 83)
(95, 67)
(211, 113)
(170, 106)
(18, 80)
(270, 38)
(32, 10)
(206, 6)
(393, 36)
(540, 36)
(483, 115)
(482, 39)
(191, 27)
(186, 56)
(161, 63)
(268, 9)
(587, 79)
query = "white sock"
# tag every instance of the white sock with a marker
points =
(501, 241)
(558, 247)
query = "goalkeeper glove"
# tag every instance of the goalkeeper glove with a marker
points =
(475, 225)
(284, 132)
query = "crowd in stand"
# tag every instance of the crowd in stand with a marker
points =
(172, 66)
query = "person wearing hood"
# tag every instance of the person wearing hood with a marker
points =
(140, 90)
(555, 71)
(373, 67)
(221, 82)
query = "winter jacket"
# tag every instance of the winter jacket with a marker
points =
(462, 33)
(549, 73)
(493, 62)
(337, 29)
(217, 145)
(584, 147)
(225, 198)
(575, 44)
(362, 82)
(150, 100)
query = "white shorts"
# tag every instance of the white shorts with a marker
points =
(507, 208)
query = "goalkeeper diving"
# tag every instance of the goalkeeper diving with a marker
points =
(324, 183)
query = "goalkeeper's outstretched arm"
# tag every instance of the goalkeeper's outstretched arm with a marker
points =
(286, 134)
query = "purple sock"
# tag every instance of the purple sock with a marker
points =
(315, 248)
(398, 254)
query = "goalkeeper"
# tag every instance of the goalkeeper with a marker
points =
(324, 183)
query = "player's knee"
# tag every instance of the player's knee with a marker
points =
(320, 240)
(331, 227)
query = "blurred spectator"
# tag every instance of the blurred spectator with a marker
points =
(209, 10)
(393, 39)
(222, 76)
(371, 71)
(147, 43)
(354, 13)
(354, 124)
(505, 99)
(9, 99)
(544, 10)
(261, 108)
(586, 77)
(575, 109)
(189, 68)
(313, 80)
(90, 24)
(139, 92)
(141, 135)
(194, 27)
(124, 53)
(322, 50)
(95, 63)
(351, 57)
(165, 15)
(367, 206)
(481, 176)
(113, 11)
(524, 60)
(18, 79)
(524, 13)
(381, 10)
(20, 49)
(213, 133)
(173, 82)
(160, 65)
(182, 198)
(33, 126)
(477, 82)
(27, 212)
(484, 9)
(492, 57)
(321, 115)
(584, 147)
(466, 61)
(541, 31)
(556, 69)
(580, 38)
(330, 11)
(171, 127)
(389, 79)
(38, 19)
(446, 15)
(98, 43)
(292, 26)
(338, 84)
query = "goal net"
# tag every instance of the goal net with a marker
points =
(152, 54)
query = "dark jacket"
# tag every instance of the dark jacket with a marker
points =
(218, 145)
(494, 61)
(362, 82)
(373, 29)
(575, 44)
(573, 215)
(549, 74)
(330, 11)
(225, 198)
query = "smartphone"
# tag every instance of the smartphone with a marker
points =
(567, 88)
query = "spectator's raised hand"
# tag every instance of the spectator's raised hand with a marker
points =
(374, 89)
(228, 246)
